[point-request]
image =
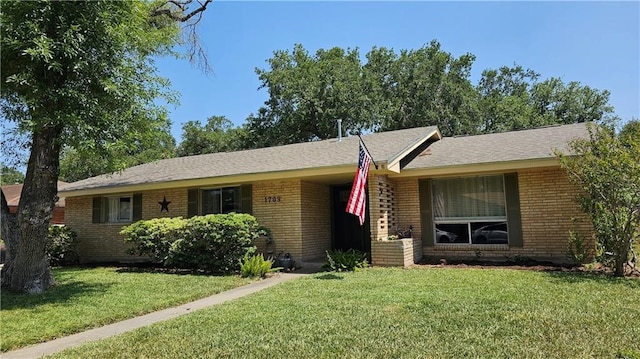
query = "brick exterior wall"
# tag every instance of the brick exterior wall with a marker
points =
(408, 205)
(316, 220)
(102, 242)
(300, 219)
(282, 217)
(382, 208)
(97, 242)
(396, 253)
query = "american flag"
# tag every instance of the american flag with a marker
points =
(357, 199)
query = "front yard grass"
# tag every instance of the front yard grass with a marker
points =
(395, 313)
(86, 298)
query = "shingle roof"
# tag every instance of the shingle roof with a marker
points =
(384, 147)
(12, 194)
(531, 144)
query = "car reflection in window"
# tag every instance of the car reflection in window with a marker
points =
(491, 234)
(445, 237)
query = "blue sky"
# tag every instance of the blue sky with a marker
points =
(595, 43)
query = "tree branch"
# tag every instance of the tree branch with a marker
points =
(181, 5)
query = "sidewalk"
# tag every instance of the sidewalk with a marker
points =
(57, 345)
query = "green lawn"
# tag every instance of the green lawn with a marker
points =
(87, 298)
(395, 313)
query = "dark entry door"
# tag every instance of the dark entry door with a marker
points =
(347, 232)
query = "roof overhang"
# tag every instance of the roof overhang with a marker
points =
(465, 169)
(334, 174)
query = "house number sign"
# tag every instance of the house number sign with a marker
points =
(271, 199)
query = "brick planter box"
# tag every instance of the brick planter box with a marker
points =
(396, 253)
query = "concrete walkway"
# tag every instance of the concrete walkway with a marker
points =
(56, 345)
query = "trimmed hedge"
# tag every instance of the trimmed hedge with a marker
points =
(214, 243)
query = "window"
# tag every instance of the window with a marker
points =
(117, 209)
(470, 210)
(221, 200)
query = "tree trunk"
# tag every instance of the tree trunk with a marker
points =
(27, 267)
(622, 257)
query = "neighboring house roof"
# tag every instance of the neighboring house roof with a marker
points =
(12, 194)
(534, 146)
(319, 158)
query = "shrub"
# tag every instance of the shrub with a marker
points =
(343, 261)
(576, 250)
(256, 266)
(154, 237)
(606, 168)
(61, 246)
(214, 243)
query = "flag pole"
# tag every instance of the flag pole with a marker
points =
(366, 149)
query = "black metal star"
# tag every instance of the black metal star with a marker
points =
(164, 205)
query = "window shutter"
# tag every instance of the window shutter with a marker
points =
(192, 202)
(137, 207)
(245, 199)
(97, 210)
(100, 209)
(426, 212)
(514, 220)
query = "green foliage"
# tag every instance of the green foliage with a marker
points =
(140, 147)
(10, 176)
(214, 243)
(410, 88)
(606, 168)
(61, 246)
(218, 135)
(576, 250)
(513, 98)
(628, 354)
(79, 74)
(345, 261)
(255, 266)
(153, 237)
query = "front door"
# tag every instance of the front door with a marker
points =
(347, 232)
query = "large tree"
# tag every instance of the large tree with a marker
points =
(606, 167)
(139, 147)
(423, 87)
(410, 88)
(307, 94)
(78, 74)
(513, 98)
(217, 135)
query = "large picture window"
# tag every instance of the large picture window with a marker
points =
(221, 200)
(470, 210)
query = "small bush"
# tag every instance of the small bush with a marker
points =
(577, 251)
(61, 246)
(344, 261)
(214, 243)
(256, 266)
